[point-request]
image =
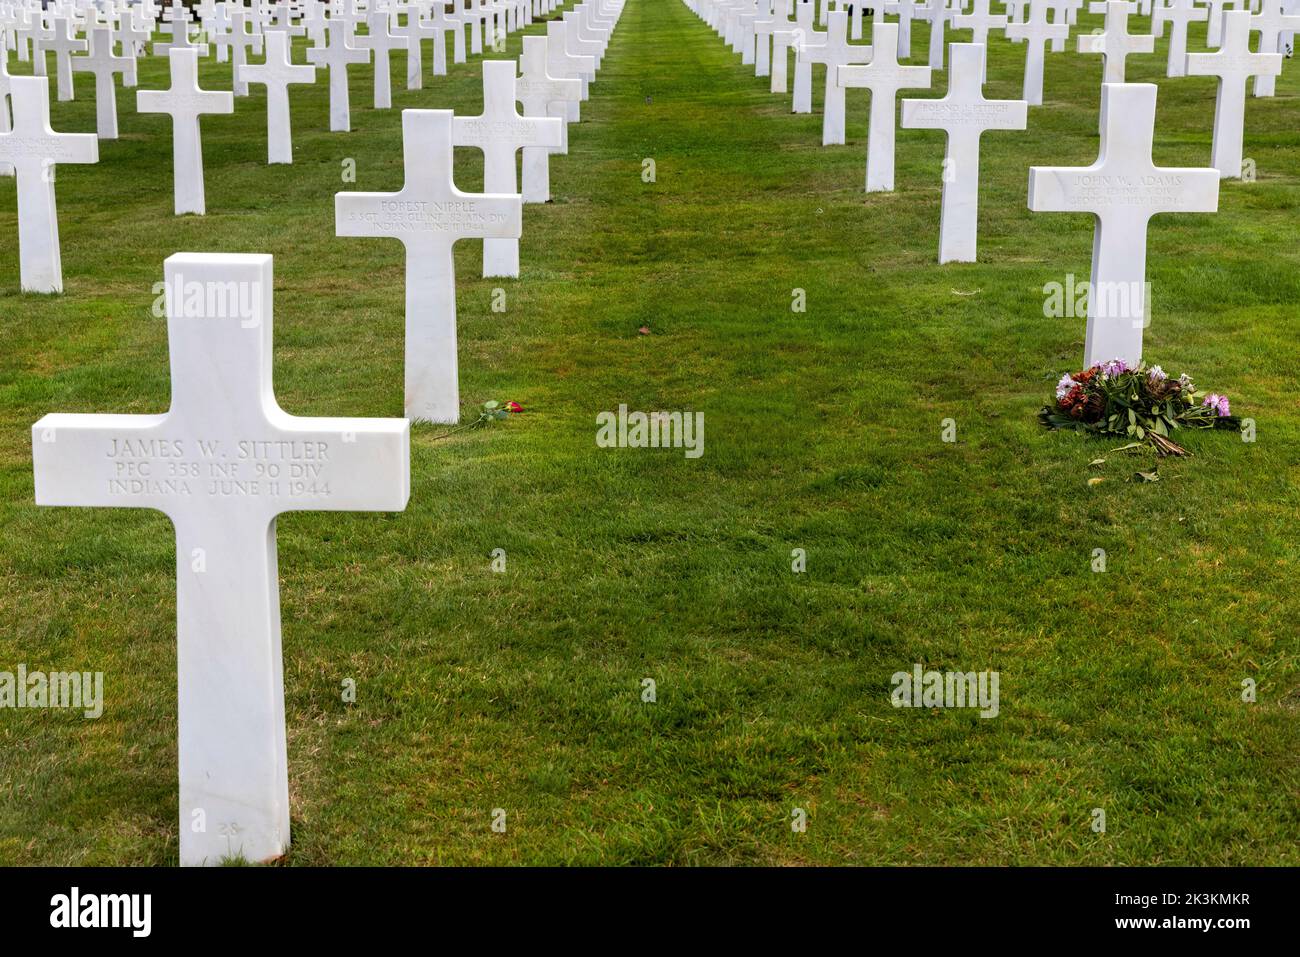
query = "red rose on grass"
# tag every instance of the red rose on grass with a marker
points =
(514, 407)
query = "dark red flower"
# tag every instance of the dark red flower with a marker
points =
(514, 407)
(1072, 399)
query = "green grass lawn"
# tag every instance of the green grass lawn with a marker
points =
(522, 690)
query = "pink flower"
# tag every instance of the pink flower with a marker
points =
(514, 407)
(1220, 403)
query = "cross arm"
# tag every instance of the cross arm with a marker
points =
(1050, 189)
(525, 131)
(86, 459)
(420, 222)
(76, 148)
(357, 464)
(151, 101)
(547, 90)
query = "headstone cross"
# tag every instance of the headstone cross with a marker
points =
(884, 76)
(1123, 189)
(500, 132)
(964, 114)
(186, 103)
(222, 462)
(428, 215)
(32, 150)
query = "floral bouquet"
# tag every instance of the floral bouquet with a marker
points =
(1142, 403)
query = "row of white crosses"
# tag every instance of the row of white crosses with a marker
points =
(185, 101)
(224, 461)
(237, 32)
(762, 32)
(404, 27)
(429, 214)
(1123, 189)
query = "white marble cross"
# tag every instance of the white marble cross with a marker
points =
(1116, 43)
(313, 18)
(186, 102)
(413, 29)
(459, 18)
(1037, 30)
(6, 169)
(1180, 13)
(428, 215)
(761, 26)
(480, 26)
(103, 63)
(216, 25)
(239, 40)
(177, 16)
(222, 463)
(785, 38)
(1066, 11)
(568, 66)
(32, 149)
(179, 20)
(284, 20)
(277, 73)
(939, 13)
(834, 52)
(1123, 189)
(884, 77)
(500, 132)
(337, 55)
(964, 114)
(64, 43)
(1232, 64)
(134, 32)
(1214, 28)
(541, 94)
(773, 34)
(1016, 11)
(437, 27)
(980, 21)
(30, 25)
(574, 43)
(906, 10)
(380, 41)
(806, 38)
(1272, 25)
